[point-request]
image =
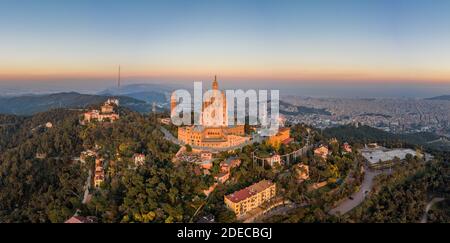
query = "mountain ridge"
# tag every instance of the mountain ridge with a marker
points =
(31, 104)
(440, 97)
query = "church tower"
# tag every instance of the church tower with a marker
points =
(173, 103)
(215, 84)
(210, 119)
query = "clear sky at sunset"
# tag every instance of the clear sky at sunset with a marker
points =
(363, 41)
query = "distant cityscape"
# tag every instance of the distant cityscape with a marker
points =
(391, 115)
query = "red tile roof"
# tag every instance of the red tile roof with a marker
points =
(80, 220)
(287, 141)
(249, 191)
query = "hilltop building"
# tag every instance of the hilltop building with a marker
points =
(99, 175)
(302, 172)
(206, 155)
(212, 137)
(222, 177)
(41, 155)
(380, 157)
(274, 160)
(81, 220)
(347, 148)
(228, 164)
(251, 197)
(107, 109)
(207, 165)
(106, 112)
(321, 151)
(282, 137)
(84, 155)
(213, 132)
(139, 159)
(112, 101)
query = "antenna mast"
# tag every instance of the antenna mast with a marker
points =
(118, 79)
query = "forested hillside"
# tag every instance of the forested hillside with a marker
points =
(31, 104)
(40, 190)
(366, 134)
(50, 189)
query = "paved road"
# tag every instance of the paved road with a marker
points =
(7, 124)
(87, 186)
(169, 136)
(278, 204)
(366, 187)
(279, 210)
(427, 208)
(359, 196)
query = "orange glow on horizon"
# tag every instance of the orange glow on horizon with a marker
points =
(323, 75)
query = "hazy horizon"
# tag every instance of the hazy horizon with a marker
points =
(305, 89)
(326, 48)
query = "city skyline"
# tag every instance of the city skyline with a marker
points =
(291, 42)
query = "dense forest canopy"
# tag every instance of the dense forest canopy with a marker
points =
(41, 179)
(366, 134)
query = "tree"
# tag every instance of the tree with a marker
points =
(188, 148)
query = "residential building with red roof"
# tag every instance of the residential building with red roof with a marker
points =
(302, 172)
(139, 159)
(321, 151)
(80, 220)
(222, 177)
(228, 164)
(242, 201)
(347, 148)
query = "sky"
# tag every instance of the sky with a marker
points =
(74, 43)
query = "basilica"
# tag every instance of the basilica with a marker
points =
(214, 132)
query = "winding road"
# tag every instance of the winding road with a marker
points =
(359, 196)
(7, 124)
(87, 186)
(428, 207)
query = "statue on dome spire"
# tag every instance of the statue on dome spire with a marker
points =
(215, 84)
